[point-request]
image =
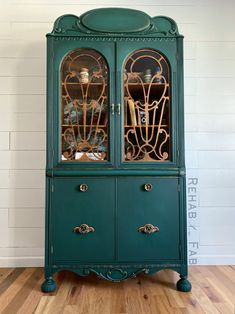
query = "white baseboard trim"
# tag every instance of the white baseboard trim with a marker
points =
(34, 261)
(216, 260)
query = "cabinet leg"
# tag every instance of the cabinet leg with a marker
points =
(184, 284)
(48, 285)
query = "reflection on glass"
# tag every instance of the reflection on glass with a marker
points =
(84, 107)
(146, 79)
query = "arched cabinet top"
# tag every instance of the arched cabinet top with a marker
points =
(115, 22)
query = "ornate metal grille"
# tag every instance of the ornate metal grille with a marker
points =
(146, 80)
(84, 107)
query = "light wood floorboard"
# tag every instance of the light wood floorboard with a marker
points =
(213, 293)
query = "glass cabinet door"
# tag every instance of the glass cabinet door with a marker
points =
(147, 114)
(84, 131)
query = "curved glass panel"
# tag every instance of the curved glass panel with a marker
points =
(147, 127)
(84, 107)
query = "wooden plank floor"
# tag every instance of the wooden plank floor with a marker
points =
(213, 292)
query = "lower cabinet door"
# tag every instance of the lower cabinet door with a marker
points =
(148, 219)
(82, 218)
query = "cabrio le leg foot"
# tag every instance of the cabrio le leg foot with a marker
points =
(48, 285)
(183, 284)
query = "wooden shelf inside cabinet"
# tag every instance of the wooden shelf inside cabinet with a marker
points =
(147, 84)
(82, 125)
(153, 85)
(143, 125)
(84, 84)
(136, 89)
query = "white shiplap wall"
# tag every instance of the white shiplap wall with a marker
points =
(208, 27)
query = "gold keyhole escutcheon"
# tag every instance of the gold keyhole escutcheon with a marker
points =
(148, 187)
(83, 187)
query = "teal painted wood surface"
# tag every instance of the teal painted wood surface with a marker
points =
(137, 207)
(71, 208)
(119, 20)
(115, 204)
(139, 24)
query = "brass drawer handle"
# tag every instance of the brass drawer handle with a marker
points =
(83, 229)
(83, 187)
(148, 187)
(148, 228)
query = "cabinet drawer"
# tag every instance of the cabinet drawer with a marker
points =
(71, 208)
(139, 205)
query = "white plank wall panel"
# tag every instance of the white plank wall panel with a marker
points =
(217, 197)
(25, 178)
(4, 141)
(22, 66)
(210, 141)
(208, 69)
(217, 235)
(4, 198)
(24, 121)
(4, 175)
(214, 159)
(93, 3)
(189, 50)
(217, 86)
(209, 63)
(25, 198)
(5, 30)
(44, 14)
(25, 237)
(20, 30)
(3, 218)
(210, 104)
(30, 104)
(22, 160)
(189, 101)
(223, 123)
(24, 48)
(27, 141)
(21, 85)
(212, 178)
(210, 133)
(26, 217)
(190, 86)
(206, 51)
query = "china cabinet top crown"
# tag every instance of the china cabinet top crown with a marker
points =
(115, 21)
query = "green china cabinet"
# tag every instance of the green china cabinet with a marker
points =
(115, 176)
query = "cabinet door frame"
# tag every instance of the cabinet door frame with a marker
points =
(170, 52)
(57, 51)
